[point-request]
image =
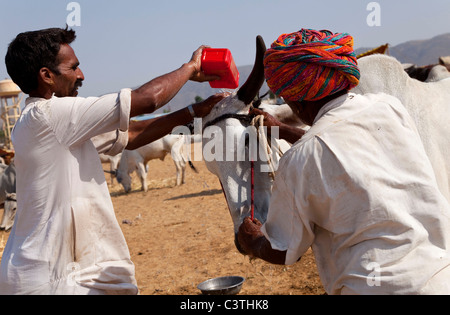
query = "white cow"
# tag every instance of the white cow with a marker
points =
(231, 165)
(137, 160)
(10, 212)
(430, 73)
(7, 181)
(229, 119)
(3, 167)
(7, 187)
(438, 73)
(427, 103)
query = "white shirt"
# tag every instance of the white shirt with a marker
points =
(66, 238)
(359, 189)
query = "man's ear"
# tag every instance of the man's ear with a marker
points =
(46, 76)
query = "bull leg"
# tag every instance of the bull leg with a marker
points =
(179, 161)
(183, 173)
(111, 175)
(180, 167)
(177, 165)
(142, 172)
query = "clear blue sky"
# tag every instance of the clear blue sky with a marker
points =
(126, 43)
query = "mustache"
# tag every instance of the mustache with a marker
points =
(78, 84)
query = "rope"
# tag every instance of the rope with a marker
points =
(258, 123)
(242, 118)
(253, 190)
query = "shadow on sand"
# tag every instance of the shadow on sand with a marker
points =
(209, 192)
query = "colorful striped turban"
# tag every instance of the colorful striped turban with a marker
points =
(310, 65)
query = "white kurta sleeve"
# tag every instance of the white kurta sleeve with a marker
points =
(111, 143)
(76, 120)
(288, 227)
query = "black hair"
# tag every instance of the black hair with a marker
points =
(29, 52)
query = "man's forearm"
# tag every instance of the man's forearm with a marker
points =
(291, 134)
(253, 243)
(160, 91)
(144, 132)
(288, 133)
(141, 133)
(263, 250)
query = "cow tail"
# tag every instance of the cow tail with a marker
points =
(186, 157)
(192, 166)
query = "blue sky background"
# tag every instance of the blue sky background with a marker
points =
(127, 43)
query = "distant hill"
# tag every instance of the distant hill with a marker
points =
(419, 52)
(423, 52)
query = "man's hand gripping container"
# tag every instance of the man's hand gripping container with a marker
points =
(219, 61)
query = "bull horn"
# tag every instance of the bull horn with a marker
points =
(251, 87)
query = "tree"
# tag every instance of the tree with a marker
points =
(198, 99)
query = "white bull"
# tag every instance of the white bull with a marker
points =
(427, 103)
(438, 73)
(136, 160)
(430, 73)
(234, 173)
(10, 212)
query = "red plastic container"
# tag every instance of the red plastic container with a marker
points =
(219, 61)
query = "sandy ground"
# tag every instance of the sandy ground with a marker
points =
(181, 236)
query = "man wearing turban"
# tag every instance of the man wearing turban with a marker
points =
(357, 187)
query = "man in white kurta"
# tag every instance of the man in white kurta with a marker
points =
(66, 239)
(359, 188)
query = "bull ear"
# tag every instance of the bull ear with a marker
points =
(251, 87)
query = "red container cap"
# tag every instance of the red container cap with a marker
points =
(219, 61)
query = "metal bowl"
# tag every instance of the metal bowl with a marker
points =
(231, 285)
